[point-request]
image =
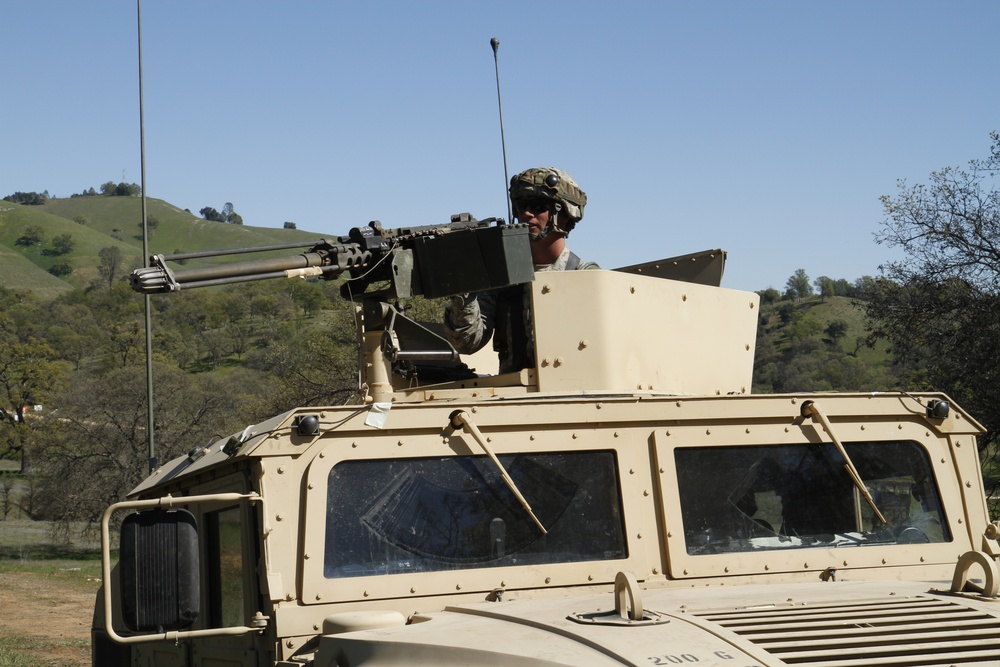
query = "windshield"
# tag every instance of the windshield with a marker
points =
(798, 496)
(417, 515)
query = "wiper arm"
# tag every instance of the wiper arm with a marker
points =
(461, 420)
(810, 409)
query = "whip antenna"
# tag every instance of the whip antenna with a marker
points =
(145, 253)
(495, 43)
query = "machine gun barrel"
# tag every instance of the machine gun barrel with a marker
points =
(323, 259)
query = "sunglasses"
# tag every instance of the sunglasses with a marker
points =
(534, 205)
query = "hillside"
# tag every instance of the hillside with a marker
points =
(808, 344)
(819, 344)
(99, 222)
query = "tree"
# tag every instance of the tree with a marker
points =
(32, 235)
(127, 190)
(61, 269)
(226, 215)
(110, 264)
(769, 295)
(937, 306)
(307, 296)
(798, 285)
(210, 213)
(151, 224)
(28, 198)
(100, 452)
(825, 286)
(231, 216)
(30, 371)
(63, 244)
(836, 330)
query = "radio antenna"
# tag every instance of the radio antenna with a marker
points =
(145, 252)
(495, 43)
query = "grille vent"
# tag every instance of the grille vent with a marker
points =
(895, 632)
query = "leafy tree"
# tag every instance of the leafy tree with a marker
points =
(937, 307)
(30, 371)
(73, 331)
(32, 235)
(28, 198)
(861, 287)
(836, 330)
(825, 286)
(128, 190)
(110, 264)
(308, 296)
(63, 244)
(79, 219)
(211, 214)
(226, 215)
(769, 295)
(309, 366)
(100, 451)
(798, 285)
(151, 224)
(842, 287)
(61, 269)
(112, 189)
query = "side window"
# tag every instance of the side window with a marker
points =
(225, 568)
(418, 515)
(800, 496)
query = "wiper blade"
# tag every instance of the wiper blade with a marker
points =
(461, 419)
(810, 409)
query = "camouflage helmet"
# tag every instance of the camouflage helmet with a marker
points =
(550, 183)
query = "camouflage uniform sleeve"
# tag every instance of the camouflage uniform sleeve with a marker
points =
(469, 321)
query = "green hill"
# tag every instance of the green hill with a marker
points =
(816, 344)
(18, 272)
(99, 222)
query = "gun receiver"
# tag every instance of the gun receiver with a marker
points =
(467, 255)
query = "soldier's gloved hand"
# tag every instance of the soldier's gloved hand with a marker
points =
(460, 301)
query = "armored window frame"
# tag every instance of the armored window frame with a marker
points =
(683, 563)
(433, 514)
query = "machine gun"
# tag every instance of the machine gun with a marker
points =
(467, 255)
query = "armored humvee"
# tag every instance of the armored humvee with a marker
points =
(626, 500)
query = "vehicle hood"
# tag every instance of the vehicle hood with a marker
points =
(842, 624)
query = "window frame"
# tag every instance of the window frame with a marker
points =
(685, 565)
(462, 580)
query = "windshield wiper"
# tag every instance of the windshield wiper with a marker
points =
(810, 409)
(461, 420)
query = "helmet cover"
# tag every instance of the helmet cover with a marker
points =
(549, 183)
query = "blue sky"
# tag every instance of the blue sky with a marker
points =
(769, 129)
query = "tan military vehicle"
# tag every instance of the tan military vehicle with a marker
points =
(624, 501)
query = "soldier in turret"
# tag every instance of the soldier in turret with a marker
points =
(550, 203)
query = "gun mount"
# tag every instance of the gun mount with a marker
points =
(626, 500)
